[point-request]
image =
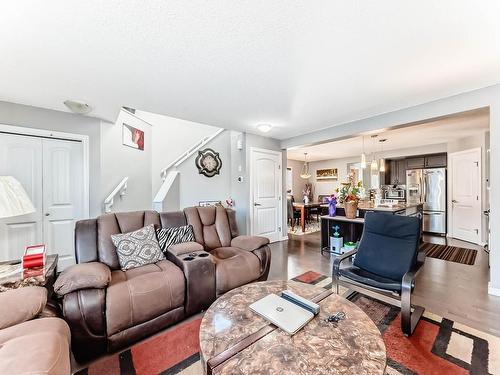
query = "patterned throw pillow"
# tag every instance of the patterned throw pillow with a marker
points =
(137, 248)
(171, 236)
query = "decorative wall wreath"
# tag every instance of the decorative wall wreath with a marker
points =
(208, 162)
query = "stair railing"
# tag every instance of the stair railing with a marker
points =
(120, 189)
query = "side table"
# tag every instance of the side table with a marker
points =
(39, 276)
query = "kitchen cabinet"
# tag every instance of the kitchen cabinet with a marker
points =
(435, 161)
(415, 163)
(395, 172)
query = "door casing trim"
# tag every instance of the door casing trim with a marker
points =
(480, 190)
(251, 181)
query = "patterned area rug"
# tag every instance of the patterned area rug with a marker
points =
(450, 253)
(311, 227)
(438, 346)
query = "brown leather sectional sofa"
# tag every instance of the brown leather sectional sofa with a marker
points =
(108, 309)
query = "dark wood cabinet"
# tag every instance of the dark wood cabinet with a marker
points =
(395, 172)
(395, 169)
(415, 163)
(435, 161)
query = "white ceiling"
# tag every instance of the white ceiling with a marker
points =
(436, 132)
(298, 65)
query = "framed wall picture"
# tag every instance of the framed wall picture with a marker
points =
(209, 203)
(327, 174)
(132, 137)
(208, 162)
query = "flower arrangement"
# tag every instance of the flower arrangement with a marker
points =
(307, 192)
(350, 191)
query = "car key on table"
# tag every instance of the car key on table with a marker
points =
(335, 318)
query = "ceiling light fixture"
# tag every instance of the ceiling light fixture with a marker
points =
(374, 164)
(382, 160)
(264, 128)
(78, 107)
(304, 173)
(363, 155)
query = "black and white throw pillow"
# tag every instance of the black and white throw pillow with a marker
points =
(137, 248)
(171, 236)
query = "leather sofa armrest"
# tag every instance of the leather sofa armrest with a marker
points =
(93, 275)
(20, 305)
(249, 243)
(199, 272)
(185, 248)
(85, 312)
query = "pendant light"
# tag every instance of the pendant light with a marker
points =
(304, 173)
(363, 155)
(382, 160)
(374, 164)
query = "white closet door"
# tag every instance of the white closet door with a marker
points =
(21, 157)
(62, 196)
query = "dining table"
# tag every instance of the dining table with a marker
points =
(303, 208)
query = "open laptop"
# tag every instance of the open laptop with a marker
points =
(282, 313)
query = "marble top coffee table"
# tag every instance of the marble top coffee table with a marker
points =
(235, 340)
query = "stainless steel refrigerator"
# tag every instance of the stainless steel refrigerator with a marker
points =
(428, 186)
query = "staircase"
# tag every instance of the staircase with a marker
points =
(167, 198)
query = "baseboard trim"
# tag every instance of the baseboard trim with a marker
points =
(493, 291)
(285, 238)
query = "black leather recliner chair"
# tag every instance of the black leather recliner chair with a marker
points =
(386, 264)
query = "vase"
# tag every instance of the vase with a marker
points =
(351, 209)
(332, 208)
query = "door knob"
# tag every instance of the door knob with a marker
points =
(454, 201)
(47, 214)
(257, 204)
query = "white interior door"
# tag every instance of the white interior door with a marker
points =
(265, 185)
(21, 157)
(62, 196)
(466, 195)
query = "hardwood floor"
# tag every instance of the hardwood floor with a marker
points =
(456, 291)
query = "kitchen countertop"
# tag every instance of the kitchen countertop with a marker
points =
(398, 207)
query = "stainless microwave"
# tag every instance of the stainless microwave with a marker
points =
(398, 194)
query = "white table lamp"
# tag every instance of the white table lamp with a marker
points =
(14, 200)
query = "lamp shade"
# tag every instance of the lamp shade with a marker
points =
(13, 198)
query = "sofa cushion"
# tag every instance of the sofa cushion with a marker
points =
(92, 275)
(141, 294)
(234, 267)
(210, 225)
(137, 248)
(174, 235)
(39, 346)
(19, 305)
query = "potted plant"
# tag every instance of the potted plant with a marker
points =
(349, 194)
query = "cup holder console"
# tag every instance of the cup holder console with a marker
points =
(193, 256)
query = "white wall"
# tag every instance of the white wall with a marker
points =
(39, 118)
(119, 161)
(298, 183)
(171, 138)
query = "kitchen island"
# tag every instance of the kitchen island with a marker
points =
(351, 229)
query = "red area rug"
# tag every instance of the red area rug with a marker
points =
(438, 346)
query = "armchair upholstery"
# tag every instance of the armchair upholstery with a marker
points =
(386, 264)
(46, 339)
(108, 308)
(238, 259)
